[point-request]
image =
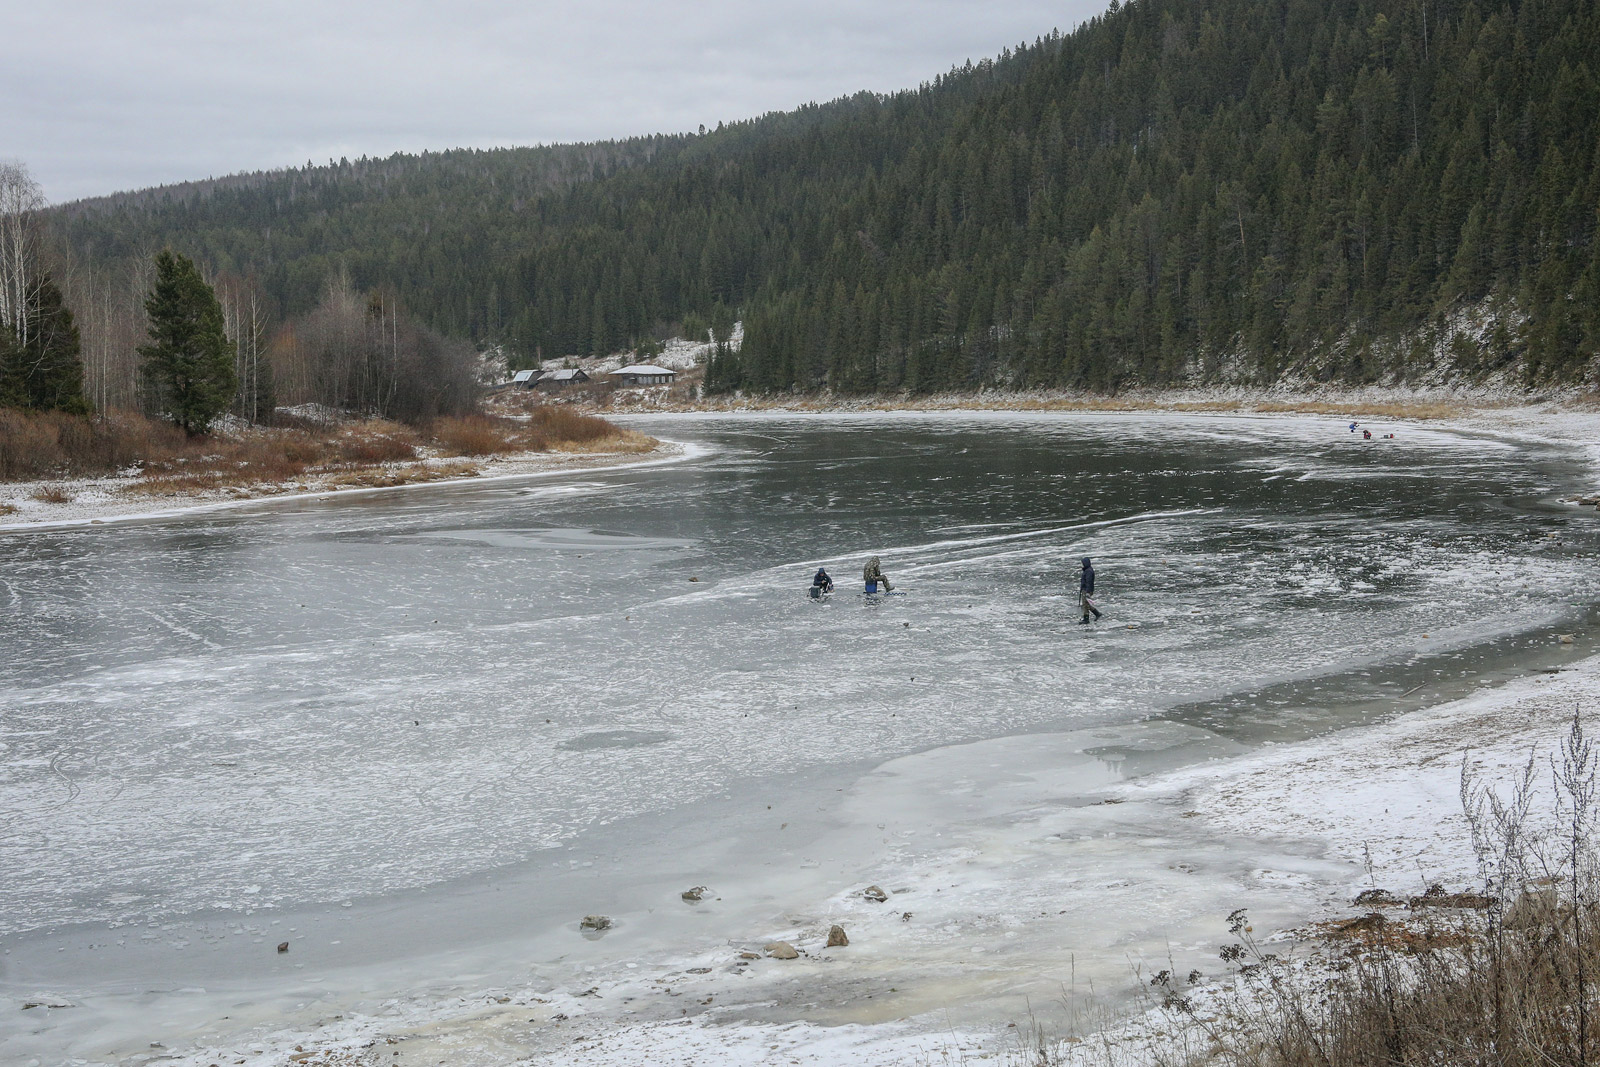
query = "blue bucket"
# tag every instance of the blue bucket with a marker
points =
(872, 587)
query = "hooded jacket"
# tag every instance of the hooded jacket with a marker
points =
(1086, 579)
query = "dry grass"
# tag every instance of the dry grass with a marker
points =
(263, 460)
(377, 441)
(545, 428)
(1505, 977)
(475, 435)
(49, 444)
(392, 477)
(8, 509)
(51, 494)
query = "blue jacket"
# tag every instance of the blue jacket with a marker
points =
(1086, 579)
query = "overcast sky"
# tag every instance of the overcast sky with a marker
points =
(104, 95)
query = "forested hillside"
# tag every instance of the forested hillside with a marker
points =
(1179, 190)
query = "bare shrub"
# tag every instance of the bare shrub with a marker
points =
(51, 494)
(565, 426)
(391, 477)
(53, 444)
(377, 441)
(1503, 977)
(481, 435)
(363, 353)
(546, 427)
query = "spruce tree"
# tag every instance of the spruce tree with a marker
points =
(188, 366)
(44, 372)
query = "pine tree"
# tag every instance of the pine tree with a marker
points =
(188, 366)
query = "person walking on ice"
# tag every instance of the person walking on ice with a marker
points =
(1085, 588)
(872, 574)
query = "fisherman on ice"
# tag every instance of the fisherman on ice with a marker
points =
(1086, 587)
(872, 575)
(821, 583)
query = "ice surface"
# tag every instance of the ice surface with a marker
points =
(211, 722)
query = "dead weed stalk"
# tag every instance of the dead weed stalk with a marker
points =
(1504, 976)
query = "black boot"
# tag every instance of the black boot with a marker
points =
(1096, 614)
(1084, 621)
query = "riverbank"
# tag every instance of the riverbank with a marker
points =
(1392, 401)
(1569, 417)
(58, 469)
(92, 501)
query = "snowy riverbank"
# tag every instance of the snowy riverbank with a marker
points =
(1570, 418)
(84, 501)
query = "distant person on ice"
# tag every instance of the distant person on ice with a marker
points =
(872, 574)
(1085, 588)
(821, 583)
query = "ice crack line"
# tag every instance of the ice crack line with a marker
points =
(72, 787)
(182, 632)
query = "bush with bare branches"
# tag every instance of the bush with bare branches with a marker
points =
(1501, 977)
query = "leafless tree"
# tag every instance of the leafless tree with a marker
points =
(363, 354)
(245, 320)
(20, 202)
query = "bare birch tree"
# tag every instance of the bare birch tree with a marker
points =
(20, 201)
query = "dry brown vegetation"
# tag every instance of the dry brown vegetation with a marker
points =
(539, 427)
(1502, 977)
(51, 444)
(357, 453)
(1506, 976)
(51, 494)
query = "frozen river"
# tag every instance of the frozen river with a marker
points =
(217, 727)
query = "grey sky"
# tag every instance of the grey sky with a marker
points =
(103, 95)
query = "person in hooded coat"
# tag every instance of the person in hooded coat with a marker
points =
(1085, 588)
(821, 583)
(872, 575)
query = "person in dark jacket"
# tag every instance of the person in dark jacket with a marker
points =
(1085, 588)
(821, 583)
(872, 574)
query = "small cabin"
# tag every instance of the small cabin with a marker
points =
(559, 379)
(644, 374)
(524, 379)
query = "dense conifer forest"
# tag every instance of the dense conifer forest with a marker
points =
(1177, 191)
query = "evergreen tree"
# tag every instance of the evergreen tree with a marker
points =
(44, 371)
(188, 365)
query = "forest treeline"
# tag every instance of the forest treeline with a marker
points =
(1176, 191)
(162, 336)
